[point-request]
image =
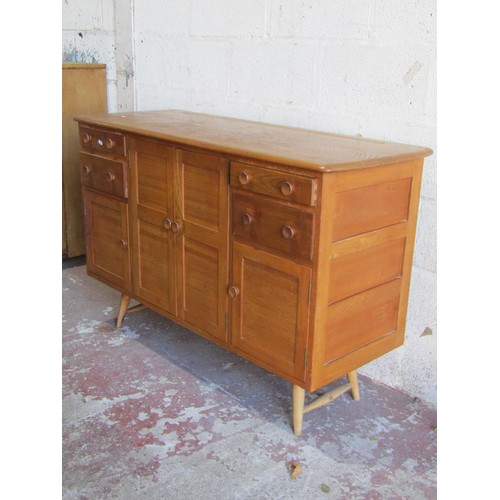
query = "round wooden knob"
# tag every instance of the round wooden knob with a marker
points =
(288, 232)
(244, 178)
(86, 170)
(167, 223)
(123, 243)
(233, 291)
(175, 227)
(86, 138)
(110, 144)
(246, 218)
(110, 177)
(286, 188)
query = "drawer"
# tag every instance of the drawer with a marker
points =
(93, 140)
(273, 225)
(103, 174)
(283, 185)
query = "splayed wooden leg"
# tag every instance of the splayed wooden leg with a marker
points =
(353, 380)
(124, 302)
(298, 397)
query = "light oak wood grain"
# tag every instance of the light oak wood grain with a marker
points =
(83, 91)
(300, 266)
(319, 151)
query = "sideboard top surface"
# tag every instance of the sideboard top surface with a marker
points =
(309, 149)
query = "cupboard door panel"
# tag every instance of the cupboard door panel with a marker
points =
(151, 205)
(153, 164)
(201, 286)
(201, 211)
(270, 310)
(106, 226)
(155, 279)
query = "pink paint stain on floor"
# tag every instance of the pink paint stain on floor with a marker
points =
(152, 410)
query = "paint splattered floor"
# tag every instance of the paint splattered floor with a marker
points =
(153, 411)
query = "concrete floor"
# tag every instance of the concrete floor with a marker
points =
(153, 411)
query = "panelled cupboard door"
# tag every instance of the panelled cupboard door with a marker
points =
(106, 224)
(151, 214)
(201, 239)
(270, 310)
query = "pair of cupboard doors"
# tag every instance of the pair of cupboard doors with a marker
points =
(167, 244)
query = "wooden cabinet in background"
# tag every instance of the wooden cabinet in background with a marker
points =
(83, 91)
(289, 247)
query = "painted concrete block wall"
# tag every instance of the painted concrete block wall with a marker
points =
(88, 35)
(358, 67)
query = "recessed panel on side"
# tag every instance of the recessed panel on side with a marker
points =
(370, 207)
(358, 271)
(363, 318)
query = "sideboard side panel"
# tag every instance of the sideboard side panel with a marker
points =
(372, 236)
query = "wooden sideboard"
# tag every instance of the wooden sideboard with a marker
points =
(290, 247)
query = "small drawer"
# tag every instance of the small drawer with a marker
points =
(103, 174)
(283, 185)
(93, 139)
(273, 225)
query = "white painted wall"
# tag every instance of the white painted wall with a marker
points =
(363, 67)
(101, 31)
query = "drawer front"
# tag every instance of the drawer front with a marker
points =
(272, 225)
(103, 174)
(93, 140)
(283, 185)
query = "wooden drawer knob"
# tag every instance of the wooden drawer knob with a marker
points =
(86, 170)
(233, 291)
(288, 232)
(175, 227)
(110, 144)
(286, 188)
(110, 177)
(86, 138)
(167, 223)
(246, 218)
(244, 178)
(123, 243)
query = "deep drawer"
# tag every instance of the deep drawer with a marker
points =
(273, 225)
(103, 174)
(93, 140)
(283, 185)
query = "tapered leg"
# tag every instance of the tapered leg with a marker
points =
(298, 397)
(353, 380)
(124, 302)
